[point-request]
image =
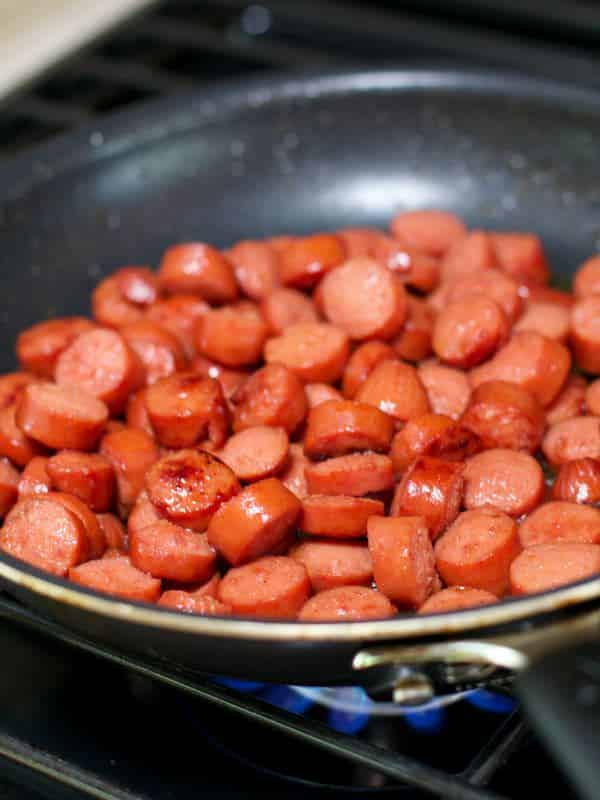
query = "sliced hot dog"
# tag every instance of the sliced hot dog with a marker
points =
(131, 453)
(560, 521)
(256, 268)
(468, 331)
(448, 389)
(14, 443)
(231, 336)
(317, 393)
(142, 514)
(586, 280)
(39, 347)
(430, 230)
(284, 307)
(347, 604)
(35, 479)
(505, 415)
(330, 564)
(193, 604)
(411, 266)
(189, 486)
(230, 379)
(431, 488)
(304, 261)
(478, 549)
(136, 414)
(185, 409)
(578, 482)
(570, 402)
(273, 587)
(101, 363)
(158, 350)
(338, 427)
(255, 522)
(585, 333)
(530, 360)
(510, 481)
(123, 297)
(469, 255)
(591, 398)
(548, 566)
(396, 389)
(46, 534)
(353, 475)
(413, 343)
(456, 597)
(114, 532)
(549, 319)
(403, 563)
(165, 550)
(360, 242)
(361, 363)
(88, 476)
(96, 541)
(521, 256)
(256, 453)
(315, 351)
(117, 576)
(292, 475)
(337, 516)
(11, 386)
(532, 292)
(432, 435)
(179, 315)
(61, 416)
(9, 486)
(272, 396)
(574, 438)
(200, 269)
(492, 284)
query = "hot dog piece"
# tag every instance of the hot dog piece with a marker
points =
(570, 402)
(412, 267)
(14, 444)
(332, 564)
(413, 343)
(256, 268)
(431, 488)
(448, 389)
(510, 481)
(34, 479)
(101, 363)
(256, 453)
(209, 588)
(360, 242)
(254, 522)
(142, 514)
(284, 307)
(189, 486)
(61, 416)
(292, 476)
(403, 563)
(534, 293)
(200, 269)
(185, 409)
(317, 393)
(361, 363)
(46, 534)
(206, 606)
(123, 297)
(338, 427)
(88, 476)
(115, 535)
(11, 386)
(561, 522)
(337, 516)
(432, 231)
(521, 256)
(273, 587)
(586, 280)
(131, 453)
(179, 315)
(96, 541)
(39, 347)
(347, 604)
(117, 576)
(548, 566)
(432, 435)
(585, 334)
(592, 396)
(468, 331)
(353, 475)
(478, 549)
(9, 486)
(315, 351)
(505, 415)
(538, 364)
(231, 336)
(456, 597)
(159, 352)
(343, 293)
(136, 414)
(578, 482)
(396, 389)
(230, 379)
(491, 284)
(574, 438)
(468, 256)
(165, 550)
(272, 396)
(549, 319)
(306, 260)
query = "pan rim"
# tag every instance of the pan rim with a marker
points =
(118, 133)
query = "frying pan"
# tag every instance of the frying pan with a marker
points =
(296, 154)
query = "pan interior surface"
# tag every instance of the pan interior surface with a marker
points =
(292, 155)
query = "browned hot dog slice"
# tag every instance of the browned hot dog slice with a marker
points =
(198, 268)
(231, 336)
(549, 319)
(96, 541)
(571, 401)
(430, 230)
(456, 597)
(469, 255)
(337, 516)
(330, 564)
(561, 521)
(411, 266)
(117, 576)
(510, 481)
(317, 393)
(34, 478)
(315, 351)
(284, 307)
(114, 532)
(548, 566)
(11, 386)
(9, 486)
(272, 396)
(165, 550)
(304, 261)
(413, 343)
(158, 350)
(578, 437)
(403, 563)
(61, 417)
(585, 333)
(230, 379)
(432, 435)
(478, 549)
(88, 476)
(131, 454)
(271, 587)
(468, 331)
(578, 482)
(179, 315)
(124, 296)
(448, 389)
(256, 453)
(189, 486)
(292, 476)
(136, 414)
(337, 427)
(353, 475)
(256, 268)
(347, 604)
(14, 444)
(396, 389)
(193, 604)
(142, 514)
(361, 363)
(255, 522)
(39, 347)
(489, 283)
(521, 256)
(592, 397)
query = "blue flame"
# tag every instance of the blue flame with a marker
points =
(288, 698)
(431, 720)
(239, 685)
(492, 701)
